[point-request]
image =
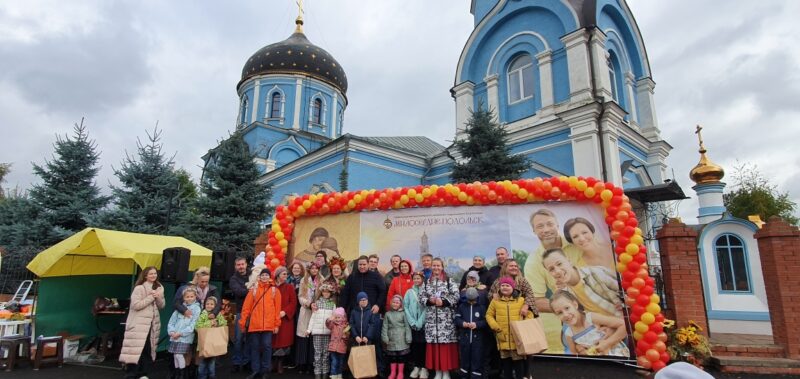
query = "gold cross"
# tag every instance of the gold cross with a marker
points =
(300, 11)
(699, 136)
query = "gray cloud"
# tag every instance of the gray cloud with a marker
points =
(97, 70)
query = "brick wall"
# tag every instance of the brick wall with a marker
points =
(779, 249)
(680, 267)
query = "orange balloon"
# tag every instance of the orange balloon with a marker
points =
(638, 283)
(660, 347)
(663, 337)
(643, 362)
(652, 355)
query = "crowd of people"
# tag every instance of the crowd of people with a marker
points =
(423, 323)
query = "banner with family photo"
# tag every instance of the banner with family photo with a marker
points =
(564, 251)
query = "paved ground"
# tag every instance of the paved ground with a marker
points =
(545, 368)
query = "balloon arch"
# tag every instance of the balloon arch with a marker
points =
(645, 312)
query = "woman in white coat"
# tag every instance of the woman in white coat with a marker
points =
(143, 326)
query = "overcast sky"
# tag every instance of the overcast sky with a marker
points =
(126, 65)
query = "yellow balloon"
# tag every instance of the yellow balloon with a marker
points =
(622, 267)
(573, 181)
(637, 336)
(641, 327)
(462, 196)
(589, 192)
(358, 198)
(514, 189)
(625, 258)
(404, 199)
(581, 186)
(283, 243)
(279, 236)
(632, 249)
(470, 201)
(653, 308)
(523, 193)
(637, 239)
(637, 231)
(411, 192)
(276, 227)
(606, 195)
(301, 211)
(351, 204)
(426, 192)
(306, 204)
(419, 197)
(655, 299)
(648, 318)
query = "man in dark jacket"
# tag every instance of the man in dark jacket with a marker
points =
(238, 286)
(494, 273)
(363, 280)
(479, 266)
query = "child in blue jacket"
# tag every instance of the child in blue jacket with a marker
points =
(470, 319)
(181, 332)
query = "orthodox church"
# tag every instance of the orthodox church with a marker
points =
(569, 80)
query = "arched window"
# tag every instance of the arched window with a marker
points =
(275, 106)
(316, 111)
(243, 110)
(520, 79)
(612, 76)
(732, 264)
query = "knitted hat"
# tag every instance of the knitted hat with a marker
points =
(264, 271)
(471, 294)
(361, 296)
(318, 232)
(280, 270)
(473, 275)
(682, 370)
(339, 312)
(509, 281)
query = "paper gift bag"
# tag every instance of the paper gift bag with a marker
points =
(529, 336)
(212, 342)
(362, 361)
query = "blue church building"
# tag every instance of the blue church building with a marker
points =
(568, 79)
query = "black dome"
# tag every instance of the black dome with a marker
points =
(296, 55)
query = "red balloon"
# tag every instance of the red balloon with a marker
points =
(616, 200)
(651, 337)
(643, 300)
(632, 222)
(615, 190)
(612, 210)
(634, 267)
(637, 309)
(664, 356)
(657, 365)
(646, 290)
(640, 258)
(656, 328)
(622, 240)
(642, 346)
(660, 318)
(628, 275)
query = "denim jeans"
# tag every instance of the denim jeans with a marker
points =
(207, 368)
(260, 351)
(241, 354)
(337, 359)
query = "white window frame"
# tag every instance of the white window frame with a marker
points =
(519, 71)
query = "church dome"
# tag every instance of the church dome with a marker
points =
(296, 55)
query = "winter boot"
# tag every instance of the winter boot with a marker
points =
(400, 368)
(414, 373)
(438, 375)
(393, 368)
(445, 374)
(423, 373)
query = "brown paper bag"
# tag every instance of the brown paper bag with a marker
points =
(212, 342)
(529, 336)
(362, 361)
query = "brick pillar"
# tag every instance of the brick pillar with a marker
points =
(779, 249)
(261, 242)
(680, 266)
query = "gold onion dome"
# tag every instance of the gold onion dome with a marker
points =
(705, 171)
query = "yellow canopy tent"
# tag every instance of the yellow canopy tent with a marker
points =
(95, 251)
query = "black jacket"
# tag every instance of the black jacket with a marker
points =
(238, 286)
(370, 282)
(492, 276)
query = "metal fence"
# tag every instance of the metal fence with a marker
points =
(13, 271)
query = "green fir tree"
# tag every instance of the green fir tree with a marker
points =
(232, 203)
(485, 153)
(68, 194)
(152, 194)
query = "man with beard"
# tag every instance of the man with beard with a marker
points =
(501, 254)
(545, 225)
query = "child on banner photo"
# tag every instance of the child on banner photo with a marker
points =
(589, 333)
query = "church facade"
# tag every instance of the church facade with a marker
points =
(568, 79)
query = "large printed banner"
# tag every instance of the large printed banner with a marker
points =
(576, 287)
